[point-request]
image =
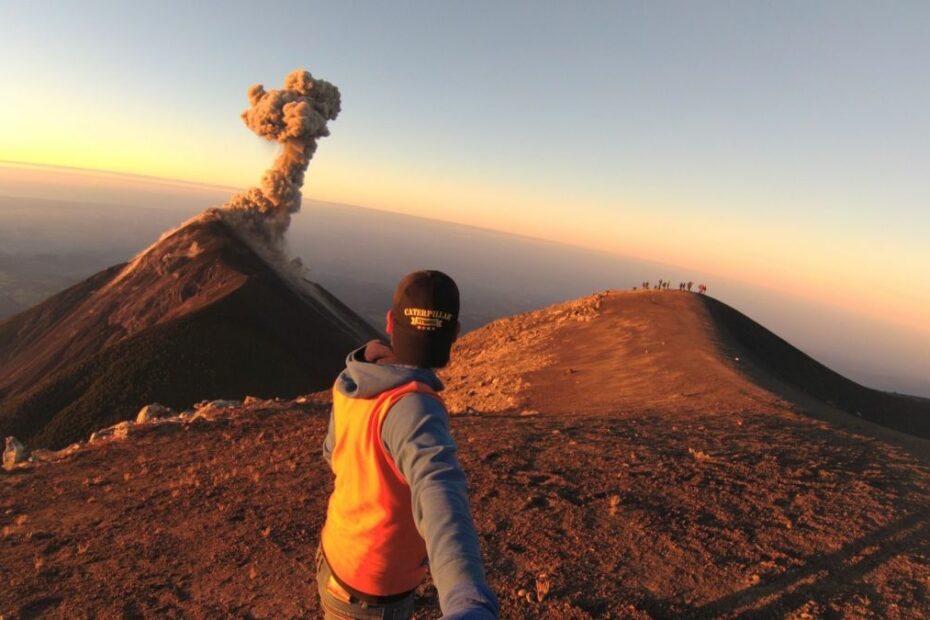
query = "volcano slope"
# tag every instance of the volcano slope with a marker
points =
(621, 463)
(196, 316)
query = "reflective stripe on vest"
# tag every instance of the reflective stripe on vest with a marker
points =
(370, 539)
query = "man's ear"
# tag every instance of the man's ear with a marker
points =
(389, 327)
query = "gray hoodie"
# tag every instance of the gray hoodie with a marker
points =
(415, 433)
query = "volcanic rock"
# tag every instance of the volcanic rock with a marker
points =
(153, 411)
(13, 452)
(121, 430)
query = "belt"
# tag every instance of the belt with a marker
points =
(348, 594)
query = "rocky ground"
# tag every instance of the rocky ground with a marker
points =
(730, 503)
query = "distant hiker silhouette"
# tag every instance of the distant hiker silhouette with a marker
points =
(399, 496)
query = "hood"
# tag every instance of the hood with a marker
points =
(370, 371)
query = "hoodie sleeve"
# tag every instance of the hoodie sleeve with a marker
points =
(329, 442)
(416, 435)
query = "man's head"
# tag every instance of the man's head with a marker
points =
(424, 319)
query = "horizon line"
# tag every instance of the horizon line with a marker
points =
(214, 186)
(12, 163)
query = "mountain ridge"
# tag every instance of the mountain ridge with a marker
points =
(667, 350)
(197, 314)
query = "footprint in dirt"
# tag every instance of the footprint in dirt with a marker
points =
(535, 501)
(570, 495)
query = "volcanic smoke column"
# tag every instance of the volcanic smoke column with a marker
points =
(296, 117)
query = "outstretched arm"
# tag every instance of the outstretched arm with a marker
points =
(416, 435)
(330, 441)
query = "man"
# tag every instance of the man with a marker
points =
(399, 495)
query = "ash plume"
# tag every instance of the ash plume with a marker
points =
(295, 117)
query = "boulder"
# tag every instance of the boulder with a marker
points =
(153, 411)
(121, 430)
(40, 455)
(13, 453)
(224, 404)
(217, 404)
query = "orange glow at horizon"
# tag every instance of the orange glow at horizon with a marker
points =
(731, 251)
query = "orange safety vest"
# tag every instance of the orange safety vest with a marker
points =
(369, 539)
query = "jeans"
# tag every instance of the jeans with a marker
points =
(339, 605)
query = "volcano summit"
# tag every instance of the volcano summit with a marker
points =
(198, 315)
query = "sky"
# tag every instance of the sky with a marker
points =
(782, 144)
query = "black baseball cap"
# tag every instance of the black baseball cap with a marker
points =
(426, 316)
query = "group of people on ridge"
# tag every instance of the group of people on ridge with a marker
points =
(682, 286)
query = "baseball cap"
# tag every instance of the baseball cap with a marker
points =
(426, 314)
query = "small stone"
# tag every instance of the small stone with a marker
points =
(153, 411)
(543, 585)
(13, 453)
(40, 455)
(224, 404)
(121, 430)
(614, 503)
(69, 450)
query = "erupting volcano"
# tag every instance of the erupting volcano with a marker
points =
(213, 309)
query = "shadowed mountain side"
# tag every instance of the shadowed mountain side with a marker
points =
(651, 350)
(23, 329)
(769, 353)
(196, 316)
